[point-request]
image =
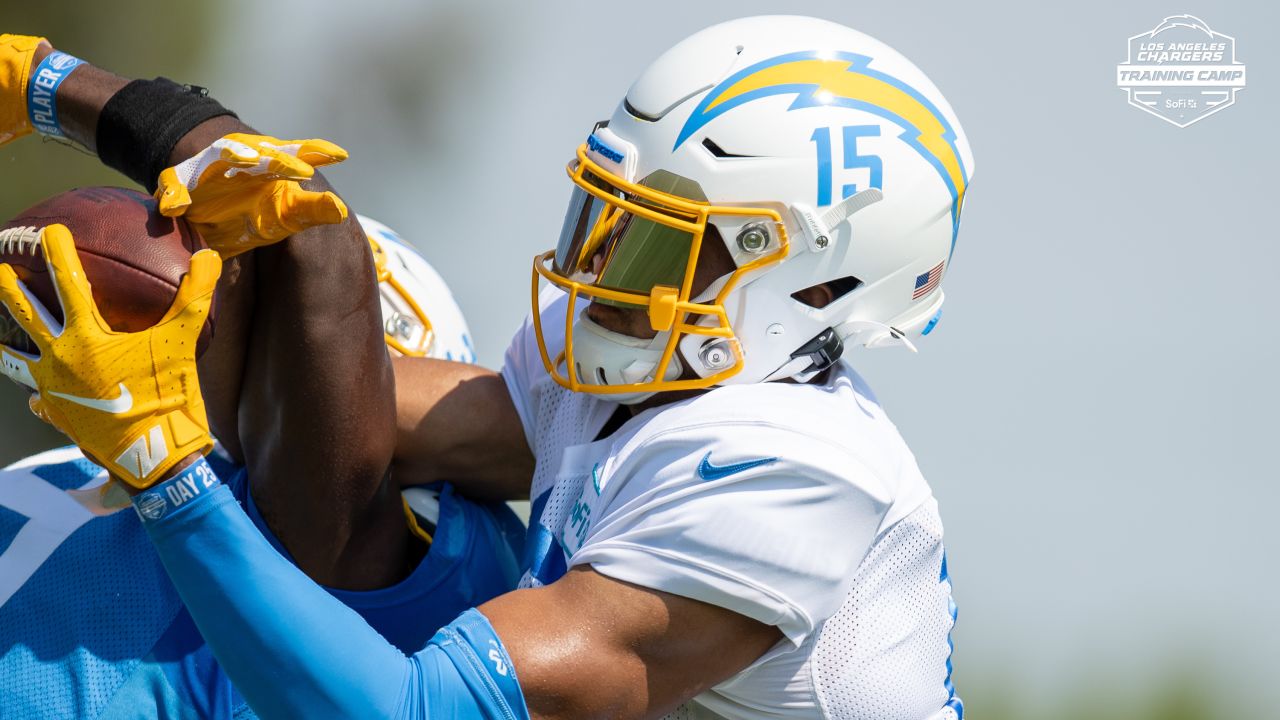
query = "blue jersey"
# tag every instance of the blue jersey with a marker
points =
(91, 627)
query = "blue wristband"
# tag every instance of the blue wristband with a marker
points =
(42, 91)
(197, 481)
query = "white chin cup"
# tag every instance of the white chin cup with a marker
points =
(604, 357)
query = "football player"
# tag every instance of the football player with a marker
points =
(289, 322)
(299, 360)
(85, 635)
(725, 522)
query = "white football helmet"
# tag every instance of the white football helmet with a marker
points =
(814, 153)
(420, 317)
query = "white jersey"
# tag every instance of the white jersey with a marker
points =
(799, 506)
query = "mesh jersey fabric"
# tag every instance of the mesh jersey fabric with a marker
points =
(786, 503)
(91, 626)
(97, 630)
(474, 557)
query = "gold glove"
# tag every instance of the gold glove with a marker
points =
(242, 191)
(16, 53)
(131, 401)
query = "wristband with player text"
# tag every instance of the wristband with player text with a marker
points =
(42, 91)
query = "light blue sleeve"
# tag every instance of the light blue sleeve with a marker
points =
(292, 649)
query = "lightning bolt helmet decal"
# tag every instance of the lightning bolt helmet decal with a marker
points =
(841, 79)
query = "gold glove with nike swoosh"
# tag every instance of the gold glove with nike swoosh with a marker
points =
(16, 54)
(242, 191)
(131, 401)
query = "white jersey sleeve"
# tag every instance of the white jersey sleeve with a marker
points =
(757, 518)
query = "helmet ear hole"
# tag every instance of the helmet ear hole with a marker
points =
(823, 294)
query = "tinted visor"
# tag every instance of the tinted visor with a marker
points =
(626, 241)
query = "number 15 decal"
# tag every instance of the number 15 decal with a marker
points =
(852, 160)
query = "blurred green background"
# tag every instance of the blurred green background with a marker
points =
(1096, 413)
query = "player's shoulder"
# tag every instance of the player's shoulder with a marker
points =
(832, 431)
(80, 622)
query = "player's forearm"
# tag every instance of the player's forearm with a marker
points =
(284, 642)
(81, 97)
(298, 383)
(291, 648)
(321, 418)
(85, 92)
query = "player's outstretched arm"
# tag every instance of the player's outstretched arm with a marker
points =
(298, 379)
(585, 646)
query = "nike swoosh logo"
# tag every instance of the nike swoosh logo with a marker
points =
(707, 471)
(123, 403)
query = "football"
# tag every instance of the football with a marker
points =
(133, 257)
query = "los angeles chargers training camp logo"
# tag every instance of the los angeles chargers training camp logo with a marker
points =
(1181, 71)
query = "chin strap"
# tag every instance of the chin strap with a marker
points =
(826, 348)
(821, 353)
(875, 334)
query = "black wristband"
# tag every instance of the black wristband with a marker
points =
(140, 125)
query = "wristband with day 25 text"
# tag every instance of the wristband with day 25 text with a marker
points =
(158, 502)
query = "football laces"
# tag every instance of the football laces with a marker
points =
(20, 240)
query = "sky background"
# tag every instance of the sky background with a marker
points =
(1096, 412)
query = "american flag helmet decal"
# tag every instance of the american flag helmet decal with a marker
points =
(926, 282)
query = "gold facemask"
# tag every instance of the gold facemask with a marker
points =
(636, 245)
